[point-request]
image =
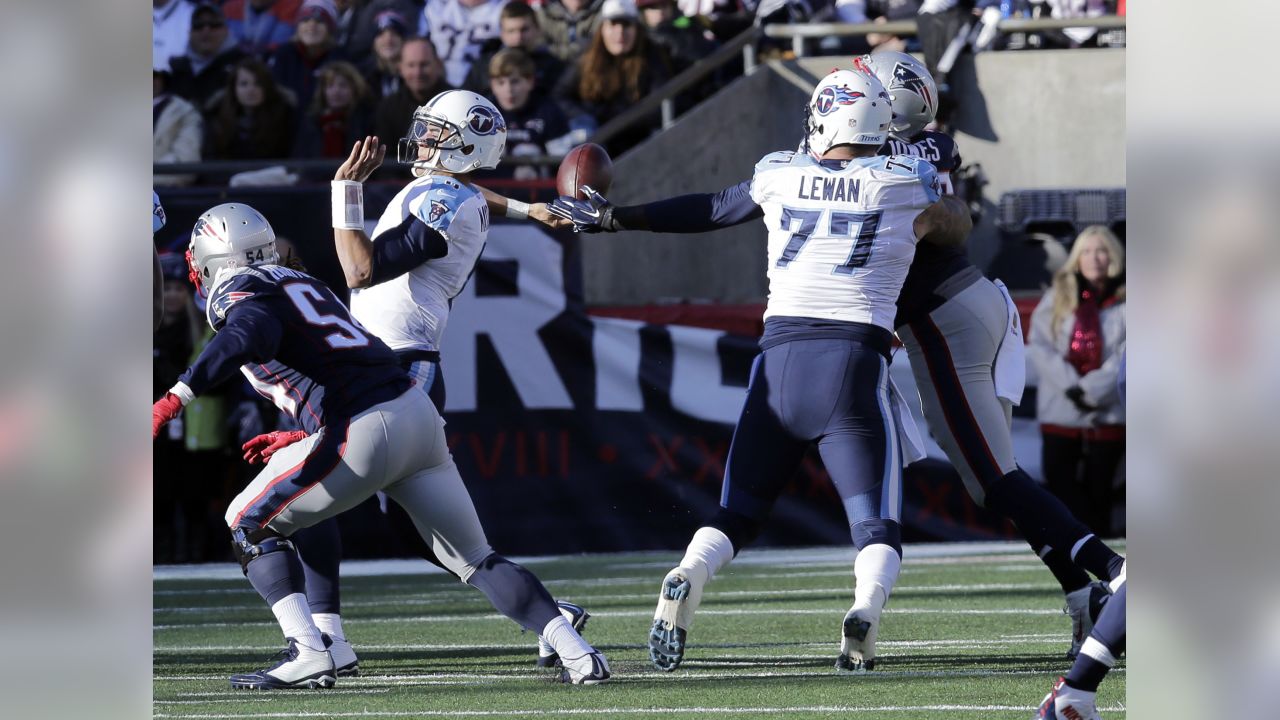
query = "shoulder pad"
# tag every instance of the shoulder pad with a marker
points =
(240, 285)
(906, 165)
(443, 197)
(781, 159)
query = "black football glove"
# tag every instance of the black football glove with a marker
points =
(1076, 395)
(593, 215)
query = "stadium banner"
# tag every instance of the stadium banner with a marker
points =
(578, 433)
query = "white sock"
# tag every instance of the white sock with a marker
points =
(568, 643)
(294, 616)
(875, 568)
(330, 624)
(708, 551)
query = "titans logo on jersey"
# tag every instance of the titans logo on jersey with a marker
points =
(298, 345)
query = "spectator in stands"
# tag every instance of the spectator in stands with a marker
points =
(170, 27)
(459, 28)
(382, 68)
(346, 21)
(294, 64)
(338, 115)
(252, 118)
(176, 130)
(211, 54)
(1077, 342)
(619, 69)
(260, 26)
(885, 11)
(365, 28)
(682, 38)
(518, 28)
(532, 119)
(422, 77)
(569, 25)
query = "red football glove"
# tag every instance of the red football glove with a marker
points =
(261, 448)
(164, 410)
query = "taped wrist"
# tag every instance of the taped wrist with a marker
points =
(347, 198)
(517, 210)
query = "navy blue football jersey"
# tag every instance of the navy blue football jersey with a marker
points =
(938, 148)
(933, 264)
(298, 345)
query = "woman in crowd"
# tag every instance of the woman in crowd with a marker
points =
(339, 113)
(251, 119)
(1077, 342)
(314, 44)
(620, 67)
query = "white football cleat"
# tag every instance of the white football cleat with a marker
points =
(577, 617)
(590, 669)
(1083, 606)
(1067, 703)
(858, 636)
(345, 662)
(299, 667)
(680, 595)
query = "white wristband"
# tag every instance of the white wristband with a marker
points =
(348, 204)
(517, 210)
(183, 392)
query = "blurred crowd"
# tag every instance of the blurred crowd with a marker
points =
(275, 79)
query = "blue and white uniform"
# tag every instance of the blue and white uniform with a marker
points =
(426, 245)
(841, 240)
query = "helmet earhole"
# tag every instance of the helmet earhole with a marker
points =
(466, 149)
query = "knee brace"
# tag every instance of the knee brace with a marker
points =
(249, 544)
(877, 531)
(740, 529)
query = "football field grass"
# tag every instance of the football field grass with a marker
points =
(971, 631)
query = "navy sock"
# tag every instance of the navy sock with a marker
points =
(320, 549)
(1097, 558)
(276, 575)
(1110, 630)
(1067, 573)
(515, 592)
(1087, 674)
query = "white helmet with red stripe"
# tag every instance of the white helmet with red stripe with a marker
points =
(226, 237)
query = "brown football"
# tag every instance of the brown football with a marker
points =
(587, 164)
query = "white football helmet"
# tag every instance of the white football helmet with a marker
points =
(466, 130)
(847, 108)
(910, 86)
(226, 237)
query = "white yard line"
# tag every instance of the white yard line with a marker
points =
(529, 712)
(913, 554)
(637, 613)
(585, 599)
(1010, 640)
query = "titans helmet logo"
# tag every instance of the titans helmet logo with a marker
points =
(831, 96)
(907, 78)
(484, 121)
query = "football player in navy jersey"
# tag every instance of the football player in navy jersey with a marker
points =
(954, 323)
(364, 428)
(963, 337)
(843, 227)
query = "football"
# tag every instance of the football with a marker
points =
(587, 164)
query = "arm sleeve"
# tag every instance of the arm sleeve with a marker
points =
(251, 333)
(1054, 371)
(405, 247)
(695, 213)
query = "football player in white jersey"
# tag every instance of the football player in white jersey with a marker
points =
(458, 29)
(843, 227)
(424, 250)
